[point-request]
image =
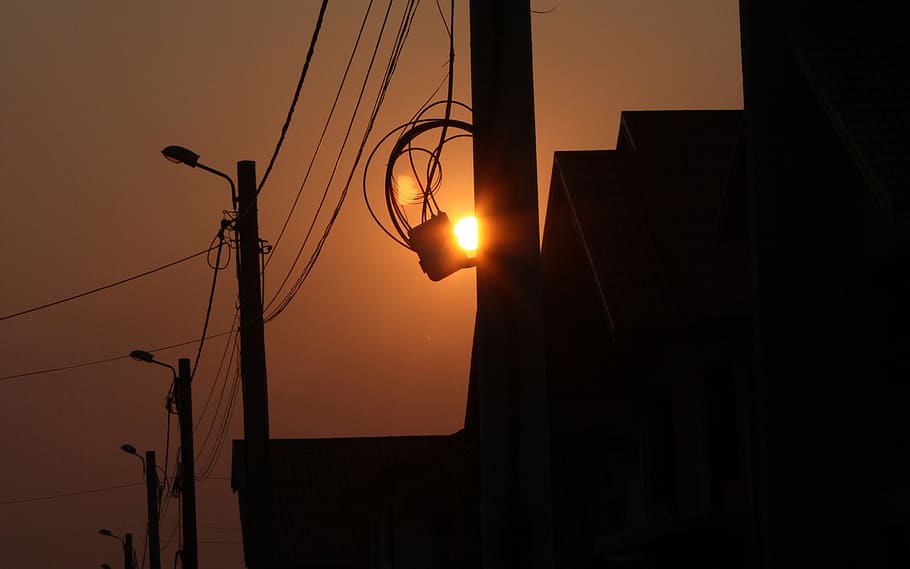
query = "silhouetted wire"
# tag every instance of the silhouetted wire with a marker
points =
(224, 356)
(344, 142)
(325, 129)
(405, 145)
(303, 73)
(63, 368)
(443, 17)
(145, 546)
(67, 494)
(550, 11)
(437, 155)
(105, 287)
(208, 309)
(224, 426)
(225, 423)
(226, 420)
(404, 29)
(110, 359)
(162, 508)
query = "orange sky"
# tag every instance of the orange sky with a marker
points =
(369, 346)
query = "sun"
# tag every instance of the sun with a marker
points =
(466, 233)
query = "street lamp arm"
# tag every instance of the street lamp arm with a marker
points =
(181, 155)
(226, 177)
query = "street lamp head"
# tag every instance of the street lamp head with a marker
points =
(142, 356)
(106, 532)
(105, 566)
(181, 155)
(128, 448)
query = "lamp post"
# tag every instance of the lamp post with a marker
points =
(127, 542)
(256, 479)
(151, 499)
(184, 400)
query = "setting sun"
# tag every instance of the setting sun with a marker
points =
(466, 232)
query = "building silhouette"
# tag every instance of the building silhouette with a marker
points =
(726, 308)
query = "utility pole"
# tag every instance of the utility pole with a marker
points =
(184, 400)
(128, 551)
(151, 495)
(257, 475)
(512, 391)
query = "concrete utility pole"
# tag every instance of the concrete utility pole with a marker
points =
(512, 392)
(184, 400)
(151, 495)
(257, 476)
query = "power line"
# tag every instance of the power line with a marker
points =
(325, 129)
(68, 494)
(107, 360)
(403, 31)
(105, 287)
(303, 73)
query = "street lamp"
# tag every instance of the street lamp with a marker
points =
(181, 155)
(127, 542)
(151, 499)
(257, 480)
(184, 400)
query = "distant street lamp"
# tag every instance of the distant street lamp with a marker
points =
(127, 542)
(184, 400)
(151, 499)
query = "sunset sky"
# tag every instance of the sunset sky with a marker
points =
(92, 91)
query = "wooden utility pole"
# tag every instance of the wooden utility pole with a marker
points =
(184, 400)
(512, 394)
(257, 478)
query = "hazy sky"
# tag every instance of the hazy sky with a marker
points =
(91, 93)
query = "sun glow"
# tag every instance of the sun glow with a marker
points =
(407, 192)
(466, 233)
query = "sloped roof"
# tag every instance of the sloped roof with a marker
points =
(648, 216)
(860, 75)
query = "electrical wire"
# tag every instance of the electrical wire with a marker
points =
(110, 359)
(325, 128)
(208, 310)
(303, 73)
(105, 287)
(403, 32)
(228, 402)
(224, 357)
(67, 494)
(225, 423)
(428, 181)
(344, 143)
